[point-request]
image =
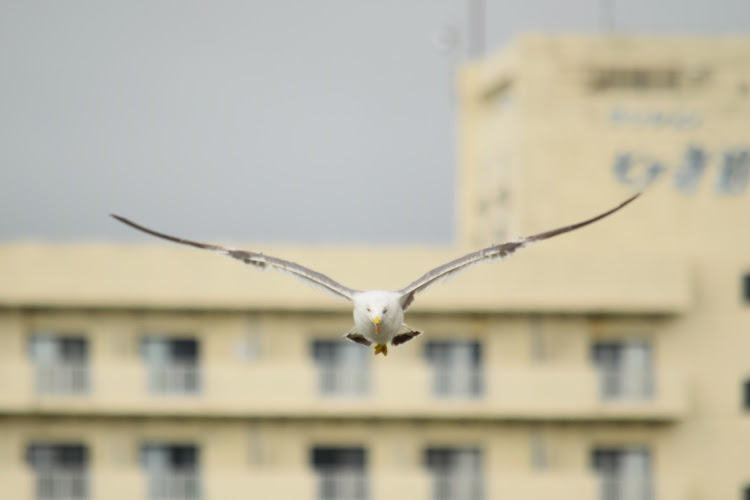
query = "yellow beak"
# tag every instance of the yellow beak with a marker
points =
(376, 322)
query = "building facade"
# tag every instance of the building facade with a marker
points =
(608, 364)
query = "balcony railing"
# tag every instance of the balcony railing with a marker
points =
(623, 384)
(457, 382)
(345, 382)
(343, 485)
(613, 488)
(394, 389)
(303, 484)
(62, 485)
(174, 486)
(453, 486)
(62, 378)
(174, 378)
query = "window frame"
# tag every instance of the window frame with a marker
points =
(167, 374)
(162, 481)
(66, 371)
(448, 481)
(614, 374)
(343, 367)
(56, 477)
(347, 480)
(449, 380)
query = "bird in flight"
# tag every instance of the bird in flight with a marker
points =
(379, 314)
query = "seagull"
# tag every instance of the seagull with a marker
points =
(379, 314)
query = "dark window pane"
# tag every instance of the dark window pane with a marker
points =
(325, 350)
(338, 458)
(57, 455)
(73, 349)
(183, 457)
(57, 348)
(172, 456)
(607, 461)
(185, 350)
(444, 351)
(166, 348)
(449, 459)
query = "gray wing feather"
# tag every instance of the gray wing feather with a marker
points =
(491, 253)
(357, 337)
(258, 260)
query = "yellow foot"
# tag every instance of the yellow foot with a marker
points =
(381, 348)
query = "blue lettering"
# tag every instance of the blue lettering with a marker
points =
(626, 170)
(734, 171)
(688, 175)
(732, 177)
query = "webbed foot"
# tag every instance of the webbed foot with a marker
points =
(381, 348)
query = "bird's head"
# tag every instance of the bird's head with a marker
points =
(377, 313)
(377, 308)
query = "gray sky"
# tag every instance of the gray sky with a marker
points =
(290, 121)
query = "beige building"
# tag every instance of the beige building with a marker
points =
(608, 364)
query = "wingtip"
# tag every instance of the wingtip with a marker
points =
(636, 195)
(127, 222)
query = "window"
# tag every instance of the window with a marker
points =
(173, 365)
(456, 473)
(343, 367)
(625, 369)
(625, 473)
(456, 367)
(172, 471)
(746, 494)
(60, 364)
(60, 471)
(341, 472)
(746, 288)
(540, 459)
(746, 395)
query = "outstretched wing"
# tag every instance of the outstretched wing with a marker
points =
(500, 251)
(258, 260)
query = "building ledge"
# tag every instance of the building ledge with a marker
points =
(397, 392)
(169, 277)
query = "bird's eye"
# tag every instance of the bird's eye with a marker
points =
(385, 310)
(368, 309)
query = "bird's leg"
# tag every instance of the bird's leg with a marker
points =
(381, 348)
